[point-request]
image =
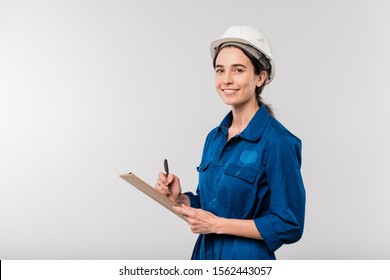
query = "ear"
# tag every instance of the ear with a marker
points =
(262, 78)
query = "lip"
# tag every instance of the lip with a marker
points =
(229, 91)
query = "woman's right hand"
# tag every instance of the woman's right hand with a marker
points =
(172, 183)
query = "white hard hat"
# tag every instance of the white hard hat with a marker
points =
(251, 40)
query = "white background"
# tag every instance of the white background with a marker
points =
(93, 89)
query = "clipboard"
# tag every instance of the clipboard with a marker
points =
(151, 192)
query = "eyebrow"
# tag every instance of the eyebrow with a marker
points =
(234, 65)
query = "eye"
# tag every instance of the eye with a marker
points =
(219, 71)
(239, 70)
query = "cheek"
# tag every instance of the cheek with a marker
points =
(249, 82)
(217, 81)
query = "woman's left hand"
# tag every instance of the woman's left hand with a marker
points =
(200, 221)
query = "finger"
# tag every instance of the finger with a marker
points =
(173, 179)
(179, 210)
(184, 210)
(161, 187)
(189, 210)
(163, 178)
(169, 179)
(160, 190)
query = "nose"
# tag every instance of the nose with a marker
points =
(227, 78)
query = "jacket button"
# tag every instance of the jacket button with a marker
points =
(220, 163)
(238, 173)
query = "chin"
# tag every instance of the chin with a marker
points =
(227, 102)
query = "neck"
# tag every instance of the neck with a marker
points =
(242, 116)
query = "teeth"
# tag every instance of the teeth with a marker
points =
(229, 90)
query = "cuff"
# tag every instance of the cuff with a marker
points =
(267, 232)
(194, 199)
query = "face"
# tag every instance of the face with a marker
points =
(235, 79)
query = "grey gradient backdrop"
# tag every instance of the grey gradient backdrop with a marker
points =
(93, 89)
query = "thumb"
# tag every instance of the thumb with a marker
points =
(182, 209)
(170, 178)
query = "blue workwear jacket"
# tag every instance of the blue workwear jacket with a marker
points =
(255, 175)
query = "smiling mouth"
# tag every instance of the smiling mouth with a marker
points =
(229, 91)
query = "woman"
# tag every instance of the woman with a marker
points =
(250, 197)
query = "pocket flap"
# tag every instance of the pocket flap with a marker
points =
(203, 165)
(246, 173)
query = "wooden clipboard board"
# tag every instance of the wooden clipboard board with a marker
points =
(151, 192)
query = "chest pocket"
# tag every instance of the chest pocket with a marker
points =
(246, 173)
(238, 190)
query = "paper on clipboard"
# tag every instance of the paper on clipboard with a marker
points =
(151, 192)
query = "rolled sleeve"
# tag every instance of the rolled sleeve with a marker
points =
(268, 233)
(194, 199)
(284, 221)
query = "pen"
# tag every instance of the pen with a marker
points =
(167, 173)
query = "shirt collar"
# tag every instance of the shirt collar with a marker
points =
(255, 128)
